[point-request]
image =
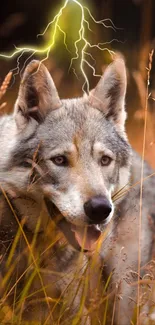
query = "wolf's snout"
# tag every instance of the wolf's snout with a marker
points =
(97, 209)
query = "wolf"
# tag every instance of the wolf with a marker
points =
(71, 190)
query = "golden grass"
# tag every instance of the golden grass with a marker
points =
(4, 87)
(12, 315)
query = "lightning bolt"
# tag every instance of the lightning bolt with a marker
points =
(82, 52)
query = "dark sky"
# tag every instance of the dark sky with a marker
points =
(22, 20)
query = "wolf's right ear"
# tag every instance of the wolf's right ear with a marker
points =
(109, 94)
(37, 95)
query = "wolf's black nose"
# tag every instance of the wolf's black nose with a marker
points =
(97, 209)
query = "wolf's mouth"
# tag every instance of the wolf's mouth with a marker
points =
(81, 238)
(86, 237)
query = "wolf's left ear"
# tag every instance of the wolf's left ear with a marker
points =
(109, 94)
(37, 94)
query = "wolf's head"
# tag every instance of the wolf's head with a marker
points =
(83, 151)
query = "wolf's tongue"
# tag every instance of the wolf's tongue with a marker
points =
(86, 238)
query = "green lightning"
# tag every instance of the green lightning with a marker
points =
(82, 52)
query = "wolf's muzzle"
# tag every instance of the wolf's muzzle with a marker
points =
(97, 209)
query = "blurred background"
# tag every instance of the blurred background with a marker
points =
(132, 33)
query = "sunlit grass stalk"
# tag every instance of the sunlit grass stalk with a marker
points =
(141, 184)
(28, 245)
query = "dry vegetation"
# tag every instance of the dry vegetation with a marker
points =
(144, 117)
(141, 132)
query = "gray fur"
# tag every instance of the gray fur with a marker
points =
(82, 129)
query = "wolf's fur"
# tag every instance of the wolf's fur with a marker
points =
(82, 129)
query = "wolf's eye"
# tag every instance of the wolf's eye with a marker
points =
(60, 160)
(105, 161)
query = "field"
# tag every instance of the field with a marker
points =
(138, 52)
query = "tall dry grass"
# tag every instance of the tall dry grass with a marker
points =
(3, 88)
(146, 290)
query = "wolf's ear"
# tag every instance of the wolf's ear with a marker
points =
(109, 94)
(37, 94)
